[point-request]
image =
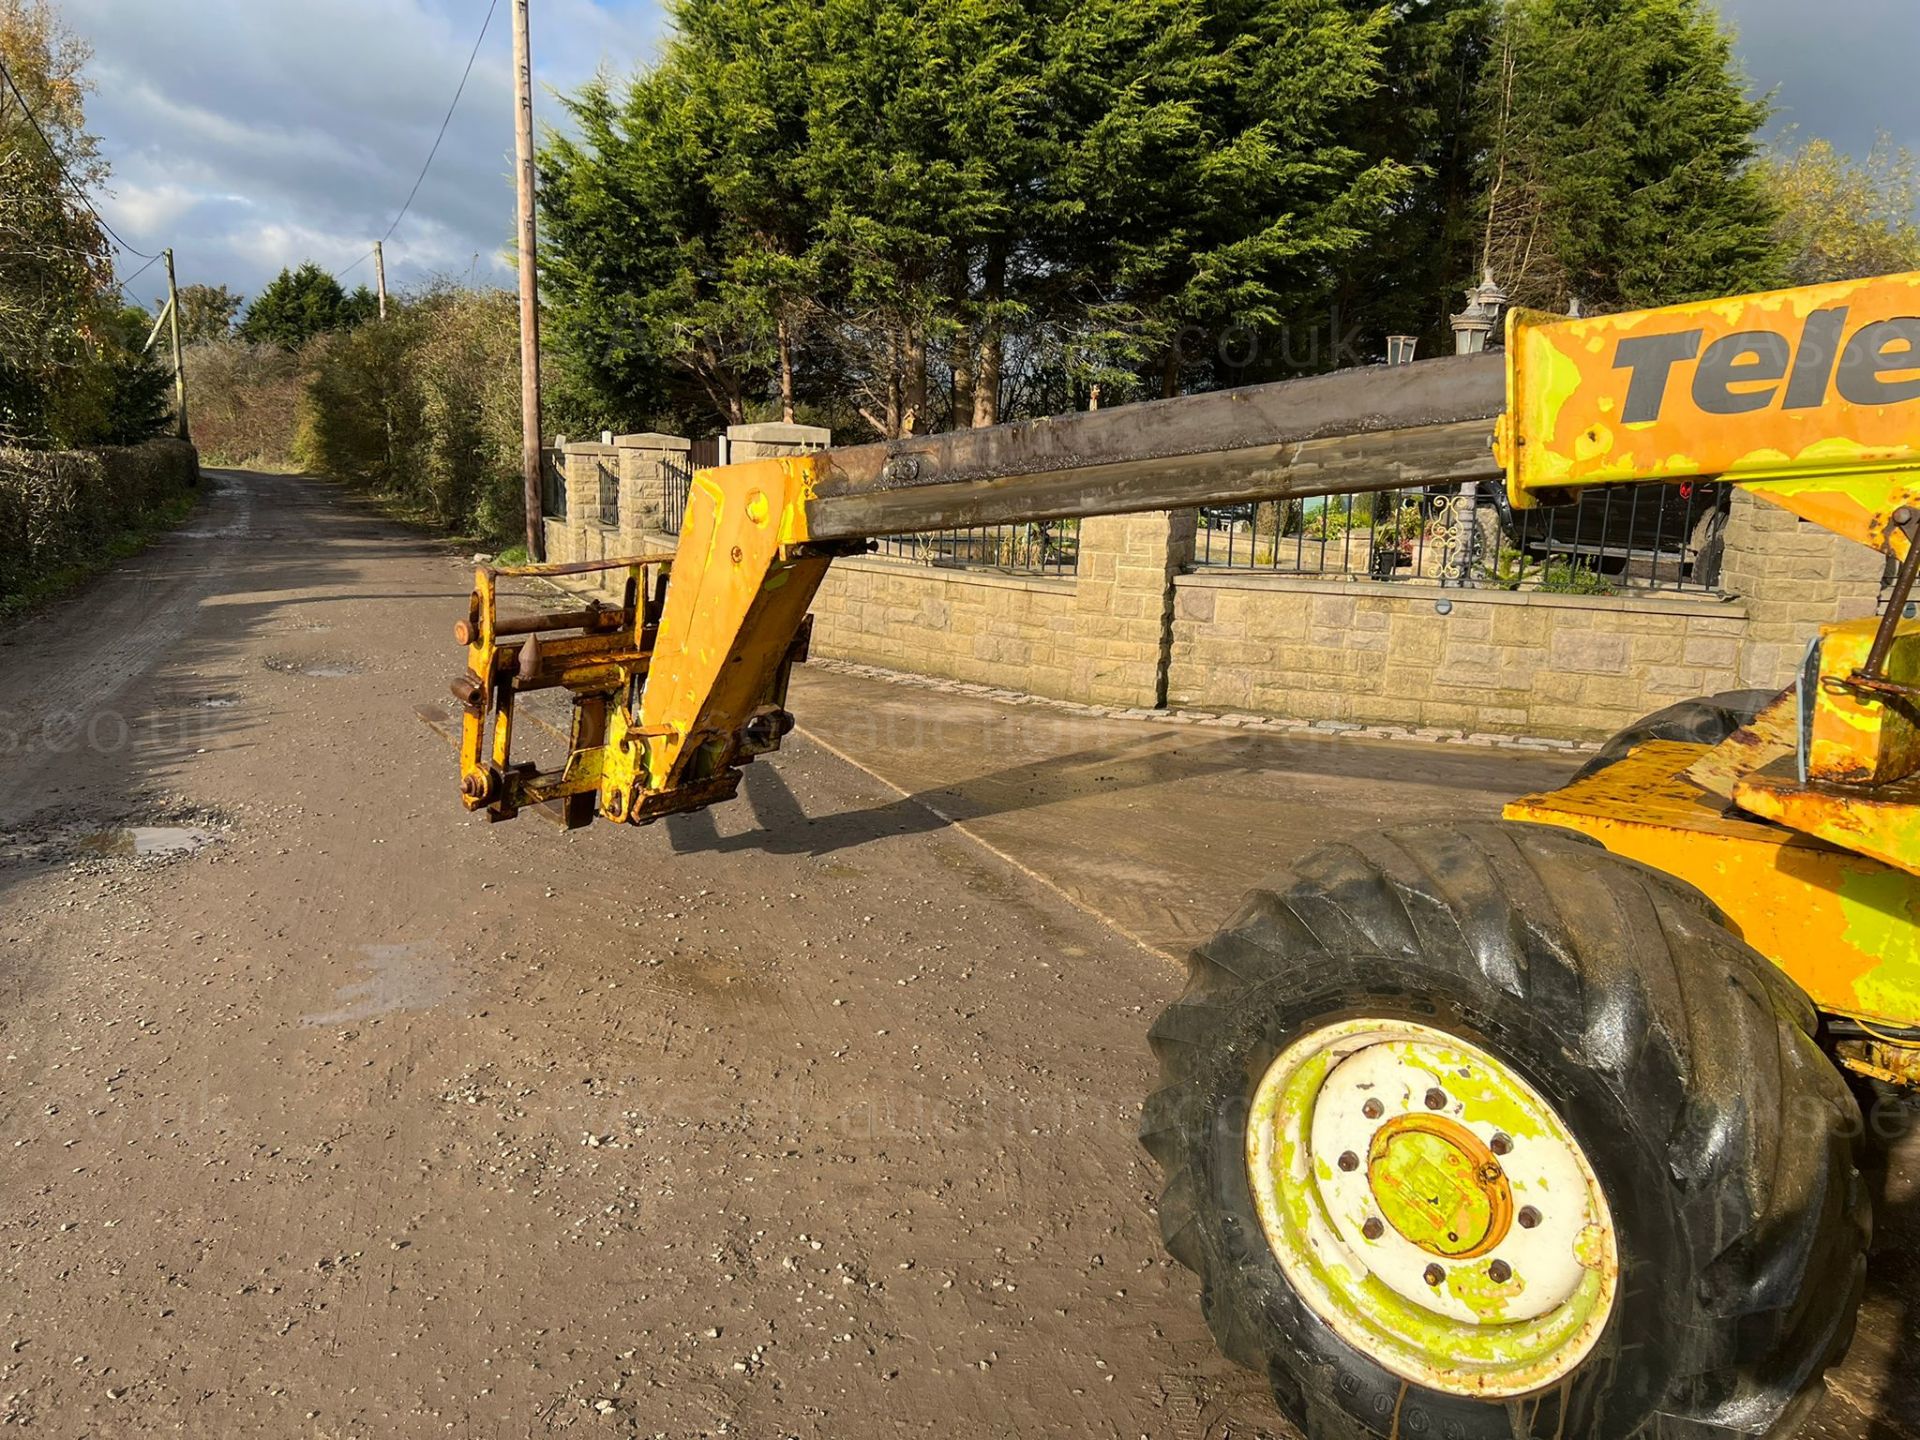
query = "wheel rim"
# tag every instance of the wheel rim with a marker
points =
(1431, 1207)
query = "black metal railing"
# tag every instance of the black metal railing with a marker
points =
(609, 492)
(678, 475)
(1615, 538)
(553, 484)
(1045, 547)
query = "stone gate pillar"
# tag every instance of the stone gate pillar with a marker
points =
(1123, 606)
(650, 465)
(588, 464)
(774, 438)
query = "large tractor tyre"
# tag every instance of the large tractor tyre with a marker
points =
(1479, 1131)
(1705, 721)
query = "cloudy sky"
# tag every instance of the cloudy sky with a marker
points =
(252, 134)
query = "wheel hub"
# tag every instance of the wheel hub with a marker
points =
(1431, 1206)
(1439, 1185)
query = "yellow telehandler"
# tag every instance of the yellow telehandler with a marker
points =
(1530, 1127)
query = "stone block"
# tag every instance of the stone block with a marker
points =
(1710, 651)
(1193, 603)
(1459, 655)
(1592, 652)
(1419, 638)
(1331, 613)
(1674, 681)
(772, 439)
(1514, 625)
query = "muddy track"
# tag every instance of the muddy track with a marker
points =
(812, 1116)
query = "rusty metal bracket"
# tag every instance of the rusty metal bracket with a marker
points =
(1875, 668)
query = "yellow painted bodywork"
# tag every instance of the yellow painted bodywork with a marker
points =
(1856, 738)
(738, 591)
(1573, 417)
(1861, 785)
(1876, 821)
(688, 689)
(1810, 399)
(1844, 925)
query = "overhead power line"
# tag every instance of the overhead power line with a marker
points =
(122, 286)
(446, 121)
(65, 174)
(460, 90)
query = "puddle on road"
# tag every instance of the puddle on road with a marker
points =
(216, 702)
(142, 841)
(313, 669)
(157, 839)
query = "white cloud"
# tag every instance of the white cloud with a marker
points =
(149, 209)
(254, 133)
(250, 134)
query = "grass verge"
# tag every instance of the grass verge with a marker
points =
(121, 545)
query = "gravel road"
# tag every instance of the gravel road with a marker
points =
(328, 1111)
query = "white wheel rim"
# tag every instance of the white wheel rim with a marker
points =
(1431, 1207)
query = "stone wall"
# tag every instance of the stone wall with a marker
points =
(962, 624)
(1793, 575)
(1568, 666)
(1137, 628)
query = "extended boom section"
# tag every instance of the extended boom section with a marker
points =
(1807, 397)
(686, 682)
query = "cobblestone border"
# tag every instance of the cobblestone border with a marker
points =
(1207, 719)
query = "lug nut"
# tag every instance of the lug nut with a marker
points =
(1372, 1109)
(1436, 1099)
(1501, 1143)
(1499, 1272)
(1349, 1161)
(1434, 1275)
(1374, 1228)
(1528, 1217)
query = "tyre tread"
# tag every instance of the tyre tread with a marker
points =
(1709, 1041)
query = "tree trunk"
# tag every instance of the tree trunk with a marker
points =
(914, 383)
(986, 375)
(960, 351)
(963, 387)
(1170, 372)
(786, 368)
(894, 360)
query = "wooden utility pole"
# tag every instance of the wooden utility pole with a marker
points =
(380, 274)
(179, 362)
(529, 284)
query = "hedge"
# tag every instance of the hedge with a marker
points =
(61, 508)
